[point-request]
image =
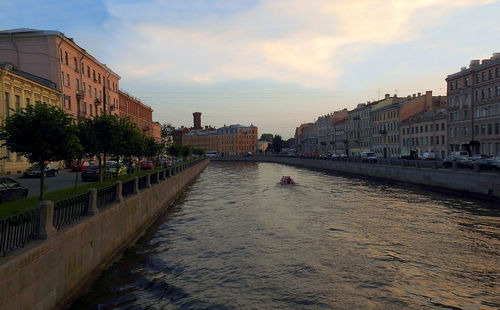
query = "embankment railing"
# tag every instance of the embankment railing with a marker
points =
(16, 231)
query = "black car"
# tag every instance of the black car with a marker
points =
(51, 170)
(462, 161)
(92, 174)
(10, 190)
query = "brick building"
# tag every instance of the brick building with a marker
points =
(227, 140)
(474, 107)
(17, 90)
(89, 87)
(139, 114)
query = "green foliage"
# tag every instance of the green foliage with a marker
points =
(186, 151)
(175, 149)
(41, 133)
(266, 137)
(198, 151)
(167, 130)
(277, 144)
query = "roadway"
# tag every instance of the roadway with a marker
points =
(64, 179)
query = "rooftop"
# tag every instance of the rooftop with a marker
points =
(29, 76)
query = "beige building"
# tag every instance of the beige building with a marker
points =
(425, 132)
(17, 90)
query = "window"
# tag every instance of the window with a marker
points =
(496, 130)
(69, 102)
(83, 69)
(497, 91)
(483, 130)
(66, 58)
(490, 92)
(490, 75)
(60, 55)
(476, 130)
(465, 132)
(482, 94)
(28, 102)
(466, 81)
(442, 126)
(490, 129)
(77, 85)
(17, 102)
(95, 93)
(476, 78)
(7, 103)
(90, 108)
(67, 78)
(476, 95)
(426, 128)
(456, 84)
(432, 140)
(437, 140)
(437, 127)
(442, 139)
(465, 114)
(75, 61)
(99, 78)
(93, 75)
(88, 72)
(483, 76)
(90, 91)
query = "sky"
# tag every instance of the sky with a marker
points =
(276, 63)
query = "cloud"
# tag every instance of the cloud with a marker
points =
(286, 41)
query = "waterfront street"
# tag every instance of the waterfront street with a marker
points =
(64, 179)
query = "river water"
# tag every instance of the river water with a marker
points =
(238, 240)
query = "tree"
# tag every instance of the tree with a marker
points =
(198, 151)
(266, 137)
(186, 151)
(277, 144)
(167, 130)
(132, 141)
(41, 133)
(175, 149)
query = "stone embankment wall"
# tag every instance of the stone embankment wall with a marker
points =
(48, 274)
(486, 184)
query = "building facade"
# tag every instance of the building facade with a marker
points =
(139, 114)
(88, 86)
(359, 129)
(19, 89)
(340, 136)
(306, 139)
(474, 107)
(425, 132)
(323, 127)
(227, 140)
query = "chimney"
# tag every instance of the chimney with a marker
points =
(428, 100)
(197, 121)
(418, 95)
(473, 63)
(463, 69)
(387, 96)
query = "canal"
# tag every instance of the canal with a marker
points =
(238, 240)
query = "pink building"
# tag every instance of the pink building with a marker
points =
(89, 87)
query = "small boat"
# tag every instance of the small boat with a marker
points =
(286, 180)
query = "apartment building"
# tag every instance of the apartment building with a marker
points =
(138, 113)
(323, 127)
(19, 89)
(425, 132)
(474, 107)
(88, 86)
(340, 136)
(359, 129)
(228, 140)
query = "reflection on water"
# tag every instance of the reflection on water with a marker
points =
(238, 240)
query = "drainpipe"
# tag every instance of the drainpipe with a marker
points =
(2, 153)
(18, 61)
(79, 98)
(59, 63)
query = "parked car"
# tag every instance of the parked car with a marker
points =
(462, 161)
(488, 163)
(75, 167)
(369, 156)
(477, 157)
(116, 169)
(92, 173)
(51, 170)
(146, 164)
(11, 190)
(429, 156)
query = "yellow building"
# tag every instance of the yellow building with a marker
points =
(17, 90)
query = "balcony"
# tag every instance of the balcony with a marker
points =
(80, 95)
(97, 101)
